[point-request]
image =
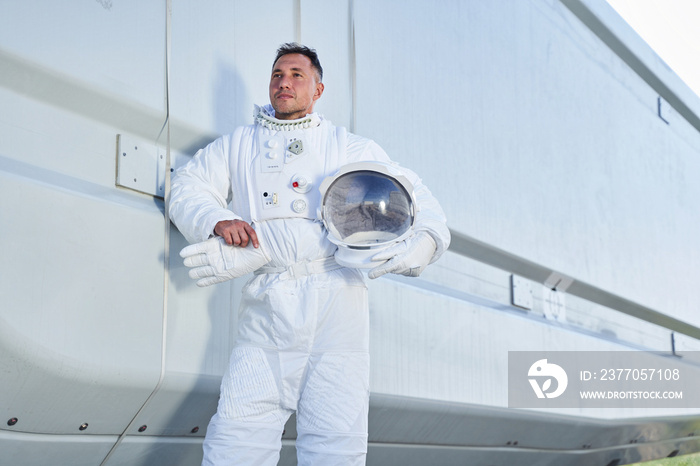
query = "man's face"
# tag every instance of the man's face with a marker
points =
(294, 87)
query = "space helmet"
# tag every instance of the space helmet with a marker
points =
(366, 207)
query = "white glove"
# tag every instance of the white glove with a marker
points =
(214, 261)
(408, 257)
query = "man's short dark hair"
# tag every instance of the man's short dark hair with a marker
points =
(293, 47)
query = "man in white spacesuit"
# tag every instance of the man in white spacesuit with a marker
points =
(303, 327)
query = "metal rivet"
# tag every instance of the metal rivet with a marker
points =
(195, 430)
(12, 421)
(83, 426)
(124, 154)
(143, 428)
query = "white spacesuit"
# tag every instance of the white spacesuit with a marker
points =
(303, 326)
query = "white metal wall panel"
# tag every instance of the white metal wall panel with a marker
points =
(170, 451)
(537, 139)
(325, 26)
(222, 56)
(81, 321)
(42, 449)
(116, 46)
(82, 302)
(428, 345)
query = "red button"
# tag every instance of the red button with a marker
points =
(295, 184)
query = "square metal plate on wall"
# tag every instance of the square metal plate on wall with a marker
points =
(140, 166)
(521, 292)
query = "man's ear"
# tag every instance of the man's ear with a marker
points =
(319, 91)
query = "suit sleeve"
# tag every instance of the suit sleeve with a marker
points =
(200, 192)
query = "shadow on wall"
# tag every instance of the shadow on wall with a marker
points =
(198, 391)
(232, 103)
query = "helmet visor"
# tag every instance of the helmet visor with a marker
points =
(363, 208)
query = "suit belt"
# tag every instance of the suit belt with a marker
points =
(302, 268)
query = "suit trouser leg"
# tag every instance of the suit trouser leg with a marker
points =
(248, 424)
(332, 412)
